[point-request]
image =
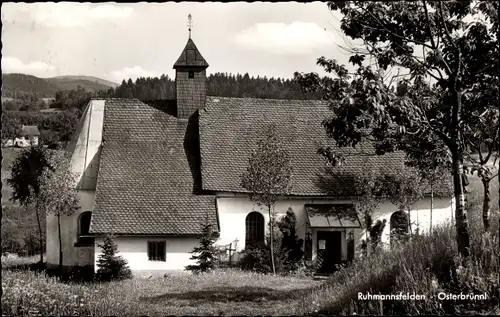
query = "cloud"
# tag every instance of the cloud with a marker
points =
(131, 72)
(66, 14)
(281, 38)
(12, 64)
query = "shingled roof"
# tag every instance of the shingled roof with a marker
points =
(190, 57)
(149, 179)
(30, 130)
(231, 127)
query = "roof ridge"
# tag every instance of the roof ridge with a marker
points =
(271, 99)
(113, 98)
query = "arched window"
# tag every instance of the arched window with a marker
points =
(84, 223)
(399, 225)
(254, 225)
(84, 228)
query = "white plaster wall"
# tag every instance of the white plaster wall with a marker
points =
(72, 256)
(443, 213)
(233, 210)
(135, 251)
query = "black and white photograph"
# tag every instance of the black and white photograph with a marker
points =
(250, 158)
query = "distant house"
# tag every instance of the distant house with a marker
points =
(31, 134)
(151, 174)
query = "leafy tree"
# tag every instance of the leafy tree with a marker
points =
(483, 139)
(448, 57)
(26, 180)
(110, 265)
(205, 254)
(290, 242)
(58, 194)
(268, 176)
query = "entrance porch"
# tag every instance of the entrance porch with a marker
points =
(330, 228)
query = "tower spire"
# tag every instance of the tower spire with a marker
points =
(190, 24)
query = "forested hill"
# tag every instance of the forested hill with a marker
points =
(218, 84)
(18, 85)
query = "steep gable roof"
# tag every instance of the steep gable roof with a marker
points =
(149, 178)
(190, 57)
(231, 127)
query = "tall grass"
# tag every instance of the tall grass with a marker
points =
(223, 292)
(426, 266)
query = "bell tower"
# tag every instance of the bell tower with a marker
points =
(190, 79)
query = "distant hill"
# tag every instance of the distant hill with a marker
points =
(84, 80)
(13, 84)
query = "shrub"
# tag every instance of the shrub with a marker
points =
(205, 254)
(290, 242)
(287, 250)
(111, 266)
(20, 231)
(256, 258)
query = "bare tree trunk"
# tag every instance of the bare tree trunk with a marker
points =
(271, 233)
(409, 222)
(40, 235)
(60, 244)
(367, 243)
(486, 204)
(461, 222)
(432, 204)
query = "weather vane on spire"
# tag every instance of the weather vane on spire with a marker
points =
(190, 24)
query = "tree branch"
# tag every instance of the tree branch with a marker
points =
(433, 44)
(392, 33)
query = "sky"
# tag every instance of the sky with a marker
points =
(117, 41)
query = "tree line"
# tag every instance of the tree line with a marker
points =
(218, 84)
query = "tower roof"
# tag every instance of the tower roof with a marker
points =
(190, 57)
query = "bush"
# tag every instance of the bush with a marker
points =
(20, 231)
(258, 258)
(111, 266)
(290, 243)
(288, 254)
